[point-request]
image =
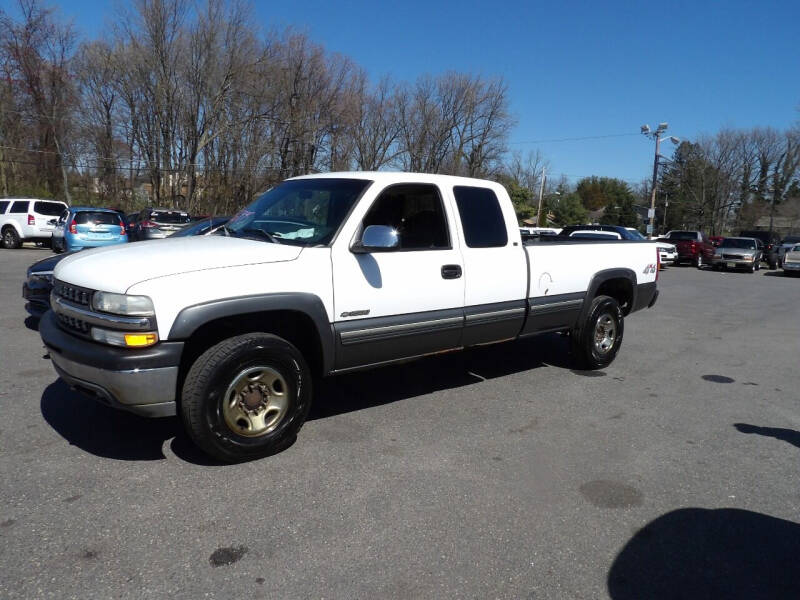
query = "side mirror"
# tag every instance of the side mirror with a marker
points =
(376, 238)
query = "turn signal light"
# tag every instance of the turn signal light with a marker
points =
(137, 340)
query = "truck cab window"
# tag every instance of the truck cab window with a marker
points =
(481, 217)
(415, 211)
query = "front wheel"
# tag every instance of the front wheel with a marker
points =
(595, 342)
(246, 397)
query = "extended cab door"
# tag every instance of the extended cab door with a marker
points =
(405, 301)
(496, 270)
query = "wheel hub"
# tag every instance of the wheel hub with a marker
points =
(256, 401)
(604, 334)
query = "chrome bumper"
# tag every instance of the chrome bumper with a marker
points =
(146, 392)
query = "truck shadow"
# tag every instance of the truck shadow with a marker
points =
(110, 433)
(384, 385)
(700, 553)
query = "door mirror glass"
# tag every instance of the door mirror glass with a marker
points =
(377, 238)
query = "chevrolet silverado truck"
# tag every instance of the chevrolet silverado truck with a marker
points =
(321, 275)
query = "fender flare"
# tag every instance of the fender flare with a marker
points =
(191, 318)
(599, 279)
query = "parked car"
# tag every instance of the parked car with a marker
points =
(791, 261)
(786, 245)
(27, 220)
(205, 227)
(693, 247)
(770, 242)
(589, 234)
(158, 223)
(86, 227)
(668, 253)
(738, 253)
(623, 232)
(39, 283)
(326, 274)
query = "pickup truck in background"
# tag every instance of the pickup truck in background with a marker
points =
(326, 274)
(693, 247)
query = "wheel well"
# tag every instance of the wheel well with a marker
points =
(295, 327)
(621, 289)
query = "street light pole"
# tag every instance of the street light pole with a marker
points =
(652, 214)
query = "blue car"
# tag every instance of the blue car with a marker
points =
(82, 227)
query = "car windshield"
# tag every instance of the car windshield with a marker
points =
(682, 235)
(635, 235)
(738, 243)
(303, 212)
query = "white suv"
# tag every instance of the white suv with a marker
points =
(27, 220)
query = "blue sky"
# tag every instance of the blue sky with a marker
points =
(573, 68)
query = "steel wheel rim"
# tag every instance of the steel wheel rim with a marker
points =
(605, 333)
(256, 401)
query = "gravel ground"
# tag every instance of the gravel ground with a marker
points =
(495, 473)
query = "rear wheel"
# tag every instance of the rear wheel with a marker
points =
(595, 342)
(246, 397)
(10, 238)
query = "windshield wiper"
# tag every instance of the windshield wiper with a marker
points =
(268, 236)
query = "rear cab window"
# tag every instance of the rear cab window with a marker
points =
(49, 209)
(481, 217)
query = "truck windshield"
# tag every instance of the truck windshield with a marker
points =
(301, 212)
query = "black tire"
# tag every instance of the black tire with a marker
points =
(10, 238)
(585, 350)
(209, 379)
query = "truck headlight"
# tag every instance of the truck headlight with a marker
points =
(122, 304)
(717, 255)
(749, 258)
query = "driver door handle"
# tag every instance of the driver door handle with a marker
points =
(451, 271)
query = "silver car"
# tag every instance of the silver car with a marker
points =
(157, 223)
(737, 253)
(791, 261)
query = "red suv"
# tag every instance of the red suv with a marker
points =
(693, 247)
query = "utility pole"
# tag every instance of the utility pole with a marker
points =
(541, 194)
(656, 135)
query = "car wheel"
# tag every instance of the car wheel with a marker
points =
(246, 397)
(10, 238)
(596, 342)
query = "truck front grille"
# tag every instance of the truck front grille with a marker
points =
(72, 293)
(72, 324)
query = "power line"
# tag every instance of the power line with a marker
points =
(576, 139)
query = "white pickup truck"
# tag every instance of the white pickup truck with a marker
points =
(322, 275)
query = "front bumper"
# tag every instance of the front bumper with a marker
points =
(143, 382)
(733, 264)
(668, 257)
(792, 266)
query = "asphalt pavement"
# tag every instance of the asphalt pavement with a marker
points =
(493, 473)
